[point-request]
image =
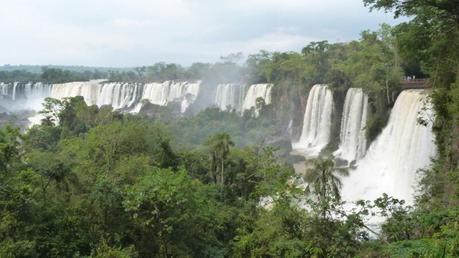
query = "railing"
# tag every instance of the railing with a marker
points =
(415, 84)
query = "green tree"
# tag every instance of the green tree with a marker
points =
(9, 148)
(276, 232)
(220, 148)
(324, 183)
(173, 214)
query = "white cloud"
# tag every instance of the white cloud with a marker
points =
(141, 32)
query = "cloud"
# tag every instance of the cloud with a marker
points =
(142, 32)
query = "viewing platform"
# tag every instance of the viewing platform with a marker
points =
(415, 84)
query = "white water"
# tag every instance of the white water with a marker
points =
(393, 159)
(229, 96)
(317, 121)
(88, 90)
(24, 96)
(163, 93)
(98, 92)
(257, 91)
(189, 94)
(353, 141)
(118, 95)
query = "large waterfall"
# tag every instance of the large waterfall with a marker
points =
(116, 94)
(24, 95)
(163, 93)
(88, 90)
(119, 95)
(229, 96)
(392, 161)
(353, 143)
(131, 96)
(257, 91)
(317, 121)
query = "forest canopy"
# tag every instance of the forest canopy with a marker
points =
(93, 182)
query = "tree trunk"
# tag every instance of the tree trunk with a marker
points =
(323, 195)
(222, 179)
(387, 91)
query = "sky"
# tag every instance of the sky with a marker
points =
(126, 33)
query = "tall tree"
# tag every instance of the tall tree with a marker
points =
(220, 146)
(9, 147)
(324, 183)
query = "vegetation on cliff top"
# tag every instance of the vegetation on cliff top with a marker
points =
(104, 184)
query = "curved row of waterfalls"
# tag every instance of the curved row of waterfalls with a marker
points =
(389, 164)
(98, 92)
(130, 96)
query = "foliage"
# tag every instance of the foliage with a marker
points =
(324, 184)
(91, 182)
(428, 46)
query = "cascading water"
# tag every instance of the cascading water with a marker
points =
(229, 96)
(88, 90)
(119, 95)
(156, 93)
(353, 141)
(189, 94)
(317, 121)
(393, 159)
(163, 93)
(24, 95)
(257, 91)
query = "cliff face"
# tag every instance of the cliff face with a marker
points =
(289, 103)
(299, 107)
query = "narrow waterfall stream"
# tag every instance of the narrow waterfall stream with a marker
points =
(353, 142)
(317, 122)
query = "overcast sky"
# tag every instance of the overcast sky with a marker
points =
(142, 32)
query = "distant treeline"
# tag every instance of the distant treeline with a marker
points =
(50, 75)
(222, 72)
(374, 62)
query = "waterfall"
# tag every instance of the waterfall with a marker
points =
(230, 96)
(34, 94)
(13, 96)
(392, 160)
(189, 94)
(353, 142)
(24, 95)
(317, 121)
(88, 90)
(3, 88)
(119, 95)
(257, 91)
(156, 93)
(168, 91)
